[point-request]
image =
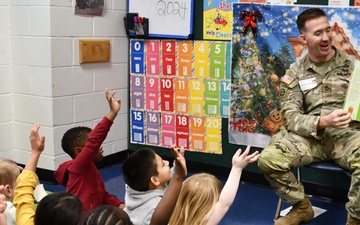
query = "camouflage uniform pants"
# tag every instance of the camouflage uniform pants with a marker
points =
(288, 151)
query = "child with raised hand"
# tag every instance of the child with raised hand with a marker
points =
(9, 171)
(146, 176)
(109, 215)
(201, 199)
(164, 209)
(53, 207)
(80, 175)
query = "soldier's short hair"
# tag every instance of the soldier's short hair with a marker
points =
(308, 14)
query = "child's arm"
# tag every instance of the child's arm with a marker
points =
(27, 180)
(110, 199)
(115, 106)
(98, 134)
(167, 204)
(3, 220)
(37, 146)
(228, 193)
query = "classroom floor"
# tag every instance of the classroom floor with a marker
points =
(254, 205)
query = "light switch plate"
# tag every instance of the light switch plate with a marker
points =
(94, 50)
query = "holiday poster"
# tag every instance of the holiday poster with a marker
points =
(264, 44)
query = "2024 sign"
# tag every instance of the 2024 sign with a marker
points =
(172, 8)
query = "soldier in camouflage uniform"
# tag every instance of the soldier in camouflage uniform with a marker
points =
(317, 128)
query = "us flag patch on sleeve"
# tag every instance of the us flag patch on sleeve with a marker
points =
(287, 79)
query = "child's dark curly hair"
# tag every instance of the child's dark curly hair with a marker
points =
(106, 215)
(74, 137)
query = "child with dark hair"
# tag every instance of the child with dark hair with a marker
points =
(80, 175)
(72, 138)
(106, 215)
(55, 209)
(52, 208)
(141, 166)
(146, 176)
(165, 208)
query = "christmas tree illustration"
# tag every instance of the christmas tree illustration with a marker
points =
(256, 74)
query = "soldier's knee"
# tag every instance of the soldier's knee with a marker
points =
(272, 160)
(264, 163)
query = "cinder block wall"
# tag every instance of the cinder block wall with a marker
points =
(42, 81)
(6, 118)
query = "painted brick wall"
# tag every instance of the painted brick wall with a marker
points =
(42, 81)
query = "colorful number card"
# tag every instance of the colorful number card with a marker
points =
(137, 126)
(185, 50)
(153, 57)
(152, 92)
(180, 90)
(201, 59)
(168, 129)
(137, 57)
(197, 126)
(153, 127)
(213, 134)
(137, 92)
(168, 57)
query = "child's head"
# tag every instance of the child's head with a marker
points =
(58, 208)
(197, 198)
(106, 215)
(9, 171)
(144, 170)
(74, 141)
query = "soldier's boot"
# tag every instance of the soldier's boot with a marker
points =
(302, 212)
(353, 221)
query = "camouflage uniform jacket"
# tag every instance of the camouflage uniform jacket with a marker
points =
(306, 94)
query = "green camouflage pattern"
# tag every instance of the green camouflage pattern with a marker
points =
(300, 143)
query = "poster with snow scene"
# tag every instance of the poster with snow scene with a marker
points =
(264, 44)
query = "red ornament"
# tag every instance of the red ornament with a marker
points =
(268, 103)
(250, 21)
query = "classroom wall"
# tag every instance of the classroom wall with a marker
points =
(42, 81)
(5, 81)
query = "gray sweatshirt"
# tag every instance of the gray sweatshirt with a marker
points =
(140, 205)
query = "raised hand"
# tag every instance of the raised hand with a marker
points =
(242, 160)
(180, 162)
(37, 146)
(114, 104)
(37, 142)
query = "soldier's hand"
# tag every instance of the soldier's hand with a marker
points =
(338, 118)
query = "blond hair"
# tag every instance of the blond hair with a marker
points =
(197, 199)
(7, 168)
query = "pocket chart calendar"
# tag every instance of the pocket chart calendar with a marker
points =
(180, 91)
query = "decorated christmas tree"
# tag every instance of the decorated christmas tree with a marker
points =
(255, 85)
